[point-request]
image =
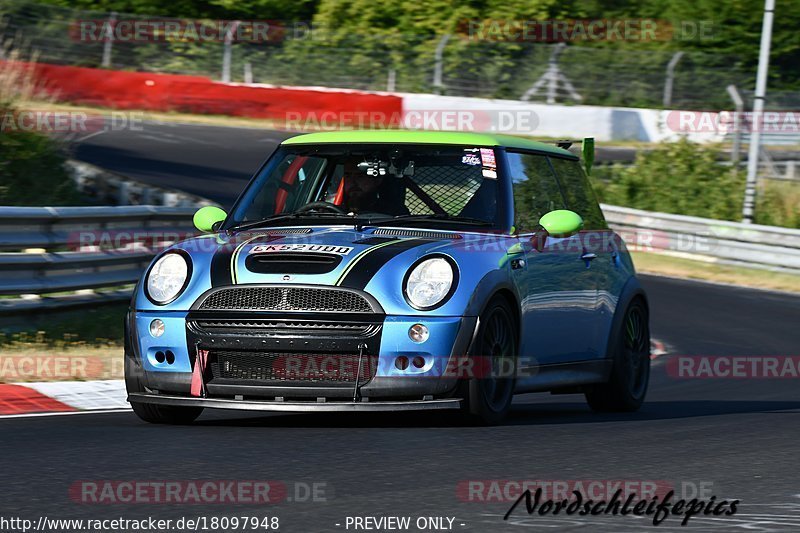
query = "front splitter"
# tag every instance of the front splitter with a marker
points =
(295, 407)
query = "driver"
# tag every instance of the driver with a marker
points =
(364, 194)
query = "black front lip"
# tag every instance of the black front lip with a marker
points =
(295, 407)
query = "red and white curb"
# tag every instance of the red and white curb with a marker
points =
(62, 397)
(657, 349)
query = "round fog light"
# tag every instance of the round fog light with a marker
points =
(418, 333)
(157, 327)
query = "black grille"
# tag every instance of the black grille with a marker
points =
(286, 299)
(292, 369)
(286, 327)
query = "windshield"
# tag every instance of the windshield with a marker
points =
(408, 184)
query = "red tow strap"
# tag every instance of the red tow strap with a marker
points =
(198, 387)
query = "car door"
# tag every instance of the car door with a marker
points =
(557, 292)
(597, 247)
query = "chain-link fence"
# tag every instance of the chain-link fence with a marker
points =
(303, 55)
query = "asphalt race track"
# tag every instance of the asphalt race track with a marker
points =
(731, 438)
(211, 161)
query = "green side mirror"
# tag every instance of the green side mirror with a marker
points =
(562, 223)
(207, 217)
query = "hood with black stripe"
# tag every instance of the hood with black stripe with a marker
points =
(374, 261)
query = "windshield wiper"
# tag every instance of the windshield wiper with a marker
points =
(277, 218)
(438, 217)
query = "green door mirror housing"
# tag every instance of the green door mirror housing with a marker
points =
(561, 223)
(208, 218)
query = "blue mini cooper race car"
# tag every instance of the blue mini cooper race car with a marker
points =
(393, 270)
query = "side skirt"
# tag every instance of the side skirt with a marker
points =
(563, 375)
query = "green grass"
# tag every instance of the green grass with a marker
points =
(679, 267)
(97, 327)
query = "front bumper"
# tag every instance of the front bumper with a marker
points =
(387, 388)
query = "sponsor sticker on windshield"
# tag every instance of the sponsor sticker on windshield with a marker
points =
(487, 157)
(318, 248)
(471, 159)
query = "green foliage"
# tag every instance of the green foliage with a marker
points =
(32, 171)
(99, 326)
(778, 204)
(680, 177)
(687, 179)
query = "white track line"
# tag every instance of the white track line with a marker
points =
(65, 413)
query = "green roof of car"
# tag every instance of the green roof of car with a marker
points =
(425, 137)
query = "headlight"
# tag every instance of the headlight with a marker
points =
(167, 278)
(429, 282)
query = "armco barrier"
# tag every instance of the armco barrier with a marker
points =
(60, 250)
(730, 242)
(194, 94)
(109, 188)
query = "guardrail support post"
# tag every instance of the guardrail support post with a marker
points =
(108, 30)
(123, 193)
(147, 196)
(169, 199)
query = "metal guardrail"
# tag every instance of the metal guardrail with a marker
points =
(108, 188)
(749, 245)
(66, 253)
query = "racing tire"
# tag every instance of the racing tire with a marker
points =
(161, 414)
(626, 388)
(155, 414)
(488, 393)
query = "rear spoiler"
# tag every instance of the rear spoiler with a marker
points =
(587, 150)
